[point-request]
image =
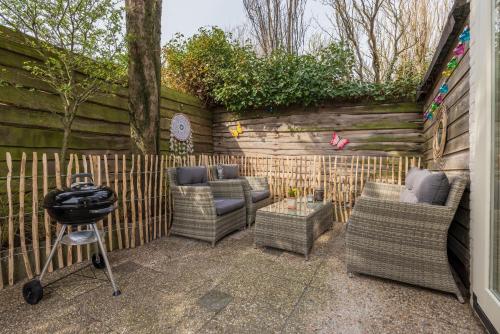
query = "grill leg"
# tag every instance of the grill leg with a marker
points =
(116, 292)
(52, 252)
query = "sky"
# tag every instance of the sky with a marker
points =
(186, 16)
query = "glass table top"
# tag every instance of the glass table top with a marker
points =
(303, 209)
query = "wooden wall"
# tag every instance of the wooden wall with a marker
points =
(29, 120)
(373, 129)
(456, 154)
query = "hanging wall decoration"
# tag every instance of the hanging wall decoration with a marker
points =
(181, 137)
(236, 132)
(458, 52)
(440, 133)
(338, 142)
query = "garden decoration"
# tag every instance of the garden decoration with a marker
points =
(440, 133)
(238, 131)
(338, 142)
(292, 198)
(181, 136)
(458, 52)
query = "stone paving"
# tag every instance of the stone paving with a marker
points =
(178, 285)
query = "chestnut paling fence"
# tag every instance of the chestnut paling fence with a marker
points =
(144, 211)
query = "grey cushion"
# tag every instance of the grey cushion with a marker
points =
(408, 196)
(414, 177)
(433, 189)
(191, 175)
(226, 205)
(230, 172)
(259, 195)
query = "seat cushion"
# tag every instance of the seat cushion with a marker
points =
(226, 205)
(228, 172)
(408, 196)
(191, 175)
(259, 195)
(433, 189)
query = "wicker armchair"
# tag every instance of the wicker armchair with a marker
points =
(403, 241)
(195, 212)
(251, 185)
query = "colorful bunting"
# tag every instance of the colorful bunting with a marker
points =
(453, 63)
(443, 89)
(465, 35)
(458, 51)
(439, 99)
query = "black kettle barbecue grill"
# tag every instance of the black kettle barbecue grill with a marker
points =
(82, 204)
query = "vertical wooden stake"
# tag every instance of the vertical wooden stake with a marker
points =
(79, 228)
(8, 158)
(60, 260)
(69, 249)
(117, 211)
(110, 217)
(155, 197)
(22, 232)
(46, 217)
(34, 213)
(132, 202)
(124, 200)
(139, 199)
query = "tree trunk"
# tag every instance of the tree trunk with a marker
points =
(64, 147)
(144, 66)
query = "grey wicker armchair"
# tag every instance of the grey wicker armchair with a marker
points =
(403, 241)
(207, 211)
(256, 190)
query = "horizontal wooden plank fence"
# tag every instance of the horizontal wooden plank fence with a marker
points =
(30, 112)
(144, 202)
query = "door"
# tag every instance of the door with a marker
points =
(485, 159)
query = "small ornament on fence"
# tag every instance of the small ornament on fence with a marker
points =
(181, 136)
(238, 131)
(338, 142)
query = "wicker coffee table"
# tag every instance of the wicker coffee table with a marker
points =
(293, 230)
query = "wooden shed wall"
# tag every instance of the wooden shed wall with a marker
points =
(28, 107)
(456, 156)
(373, 129)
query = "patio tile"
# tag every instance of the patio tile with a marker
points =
(215, 300)
(246, 316)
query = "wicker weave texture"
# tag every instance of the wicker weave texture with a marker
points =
(292, 232)
(402, 241)
(194, 213)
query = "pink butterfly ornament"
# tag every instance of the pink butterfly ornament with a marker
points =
(459, 50)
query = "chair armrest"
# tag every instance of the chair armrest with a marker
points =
(227, 188)
(382, 190)
(196, 201)
(255, 183)
(377, 213)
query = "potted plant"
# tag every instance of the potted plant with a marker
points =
(292, 199)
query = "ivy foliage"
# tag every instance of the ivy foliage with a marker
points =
(221, 71)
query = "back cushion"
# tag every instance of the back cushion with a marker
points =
(414, 177)
(407, 196)
(191, 175)
(230, 171)
(433, 189)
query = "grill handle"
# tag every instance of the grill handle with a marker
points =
(104, 210)
(75, 176)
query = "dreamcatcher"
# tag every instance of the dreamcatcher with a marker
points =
(439, 136)
(181, 138)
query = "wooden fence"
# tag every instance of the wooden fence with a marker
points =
(145, 205)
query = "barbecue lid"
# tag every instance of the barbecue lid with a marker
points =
(81, 202)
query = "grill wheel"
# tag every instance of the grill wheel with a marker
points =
(33, 292)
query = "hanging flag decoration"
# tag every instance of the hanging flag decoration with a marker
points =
(465, 35)
(444, 89)
(458, 52)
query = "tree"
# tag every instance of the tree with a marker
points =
(79, 46)
(144, 73)
(388, 35)
(277, 24)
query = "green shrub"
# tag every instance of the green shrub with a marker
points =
(223, 72)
